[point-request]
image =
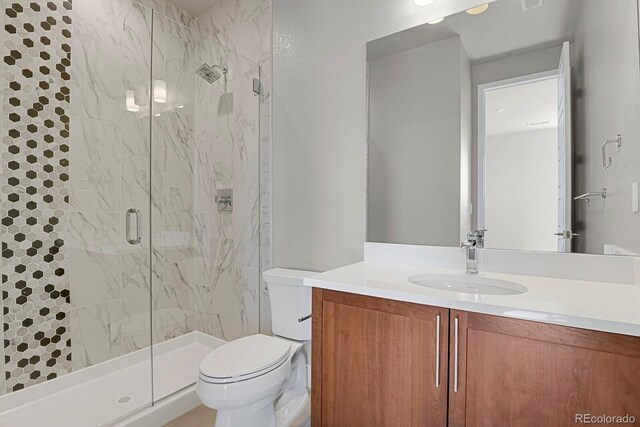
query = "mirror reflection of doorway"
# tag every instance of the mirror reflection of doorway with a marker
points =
(524, 198)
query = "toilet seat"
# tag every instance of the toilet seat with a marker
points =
(244, 359)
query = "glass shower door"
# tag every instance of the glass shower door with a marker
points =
(75, 167)
(205, 197)
(136, 208)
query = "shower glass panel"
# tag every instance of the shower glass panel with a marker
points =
(205, 198)
(75, 157)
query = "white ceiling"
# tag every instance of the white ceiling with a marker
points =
(195, 7)
(525, 104)
(502, 30)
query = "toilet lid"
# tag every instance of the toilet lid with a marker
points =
(245, 356)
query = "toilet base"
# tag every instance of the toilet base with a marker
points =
(292, 413)
(295, 396)
(261, 414)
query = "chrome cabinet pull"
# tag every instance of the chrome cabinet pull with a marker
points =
(455, 355)
(438, 350)
(138, 238)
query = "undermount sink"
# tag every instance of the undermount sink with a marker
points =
(468, 284)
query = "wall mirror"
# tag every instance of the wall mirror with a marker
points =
(521, 117)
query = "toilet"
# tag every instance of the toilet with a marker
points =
(261, 380)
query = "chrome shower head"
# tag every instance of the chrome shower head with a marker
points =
(211, 73)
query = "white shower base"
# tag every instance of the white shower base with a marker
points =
(116, 392)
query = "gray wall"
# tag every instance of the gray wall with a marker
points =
(414, 145)
(320, 122)
(605, 74)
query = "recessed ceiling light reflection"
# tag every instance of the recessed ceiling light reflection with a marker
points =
(160, 91)
(423, 2)
(131, 102)
(478, 9)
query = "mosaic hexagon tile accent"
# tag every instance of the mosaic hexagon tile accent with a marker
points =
(35, 190)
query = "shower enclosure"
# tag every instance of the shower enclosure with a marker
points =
(130, 205)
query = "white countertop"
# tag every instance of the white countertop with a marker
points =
(601, 306)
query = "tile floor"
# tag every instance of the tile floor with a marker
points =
(203, 416)
(198, 417)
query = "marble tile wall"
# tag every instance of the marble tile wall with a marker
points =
(244, 27)
(171, 11)
(238, 25)
(227, 127)
(174, 150)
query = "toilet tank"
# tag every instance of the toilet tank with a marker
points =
(290, 301)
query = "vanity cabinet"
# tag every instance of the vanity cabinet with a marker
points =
(513, 372)
(378, 362)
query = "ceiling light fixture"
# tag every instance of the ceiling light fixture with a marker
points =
(436, 21)
(478, 9)
(423, 2)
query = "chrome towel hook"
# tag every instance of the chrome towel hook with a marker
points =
(606, 163)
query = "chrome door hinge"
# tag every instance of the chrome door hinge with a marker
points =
(567, 234)
(257, 87)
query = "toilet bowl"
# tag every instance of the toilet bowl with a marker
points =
(260, 380)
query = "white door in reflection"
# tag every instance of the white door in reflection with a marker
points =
(520, 154)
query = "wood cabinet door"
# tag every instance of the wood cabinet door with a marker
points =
(375, 362)
(528, 374)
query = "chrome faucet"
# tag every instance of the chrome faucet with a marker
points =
(475, 240)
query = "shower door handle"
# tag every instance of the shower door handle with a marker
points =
(138, 238)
